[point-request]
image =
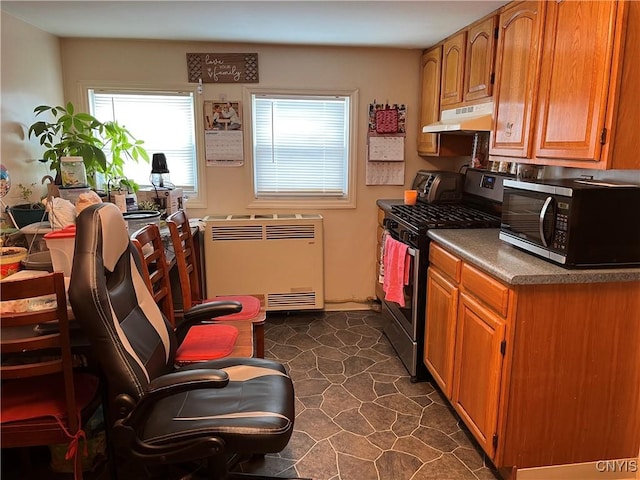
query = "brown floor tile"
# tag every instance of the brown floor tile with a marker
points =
(397, 465)
(359, 415)
(355, 446)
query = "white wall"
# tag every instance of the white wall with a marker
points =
(31, 76)
(382, 74)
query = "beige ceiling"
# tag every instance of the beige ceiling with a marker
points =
(402, 24)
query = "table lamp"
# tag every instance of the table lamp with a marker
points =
(159, 171)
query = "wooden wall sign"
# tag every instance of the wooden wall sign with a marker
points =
(222, 67)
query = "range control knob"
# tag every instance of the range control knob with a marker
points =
(388, 223)
(408, 237)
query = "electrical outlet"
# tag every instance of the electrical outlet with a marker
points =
(223, 97)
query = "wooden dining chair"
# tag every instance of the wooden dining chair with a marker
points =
(202, 342)
(191, 289)
(43, 401)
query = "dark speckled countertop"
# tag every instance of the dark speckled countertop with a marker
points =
(483, 249)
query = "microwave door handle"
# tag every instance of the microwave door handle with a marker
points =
(543, 213)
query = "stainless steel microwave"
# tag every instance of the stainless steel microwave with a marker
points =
(573, 222)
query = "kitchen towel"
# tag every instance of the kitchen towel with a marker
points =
(395, 270)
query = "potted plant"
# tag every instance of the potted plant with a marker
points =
(28, 211)
(122, 146)
(103, 146)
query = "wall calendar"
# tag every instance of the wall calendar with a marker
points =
(223, 138)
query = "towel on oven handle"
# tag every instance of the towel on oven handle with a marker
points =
(396, 270)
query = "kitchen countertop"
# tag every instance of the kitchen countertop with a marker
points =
(482, 248)
(389, 202)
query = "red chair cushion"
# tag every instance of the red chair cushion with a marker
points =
(250, 307)
(30, 398)
(207, 342)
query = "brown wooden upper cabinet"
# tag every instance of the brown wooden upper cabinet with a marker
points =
(517, 71)
(479, 59)
(433, 144)
(457, 71)
(467, 64)
(453, 69)
(583, 61)
(580, 109)
(430, 99)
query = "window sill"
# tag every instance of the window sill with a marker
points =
(303, 203)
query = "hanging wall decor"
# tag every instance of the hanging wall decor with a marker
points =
(224, 141)
(222, 67)
(385, 147)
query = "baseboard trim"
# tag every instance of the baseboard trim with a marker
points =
(345, 306)
(622, 469)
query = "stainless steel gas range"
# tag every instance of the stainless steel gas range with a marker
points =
(445, 200)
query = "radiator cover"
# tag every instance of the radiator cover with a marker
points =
(278, 256)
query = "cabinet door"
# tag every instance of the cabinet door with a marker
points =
(574, 79)
(453, 69)
(479, 61)
(478, 369)
(517, 70)
(440, 329)
(430, 100)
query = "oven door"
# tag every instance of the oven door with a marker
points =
(402, 329)
(406, 316)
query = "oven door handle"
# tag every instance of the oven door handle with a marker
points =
(411, 251)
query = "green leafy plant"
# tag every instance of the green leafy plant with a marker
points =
(26, 193)
(122, 145)
(29, 211)
(69, 134)
(150, 205)
(103, 146)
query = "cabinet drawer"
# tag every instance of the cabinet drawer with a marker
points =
(446, 262)
(490, 291)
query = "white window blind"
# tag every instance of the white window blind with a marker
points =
(300, 145)
(164, 121)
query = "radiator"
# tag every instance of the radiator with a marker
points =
(278, 256)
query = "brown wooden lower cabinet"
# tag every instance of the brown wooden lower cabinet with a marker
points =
(541, 374)
(478, 369)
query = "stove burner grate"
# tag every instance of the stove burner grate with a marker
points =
(428, 215)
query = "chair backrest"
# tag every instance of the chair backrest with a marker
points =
(186, 262)
(130, 337)
(36, 301)
(155, 270)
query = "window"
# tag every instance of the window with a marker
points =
(164, 121)
(302, 147)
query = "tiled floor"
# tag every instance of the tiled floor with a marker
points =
(358, 416)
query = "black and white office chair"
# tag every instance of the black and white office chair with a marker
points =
(161, 415)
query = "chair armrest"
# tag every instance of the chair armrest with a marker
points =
(182, 380)
(170, 384)
(199, 314)
(209, 310)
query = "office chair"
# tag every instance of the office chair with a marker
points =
(44, 401)
(191, 289)
(161, 416)
(200, 342)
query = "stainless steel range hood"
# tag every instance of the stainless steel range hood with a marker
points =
(474, 118)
